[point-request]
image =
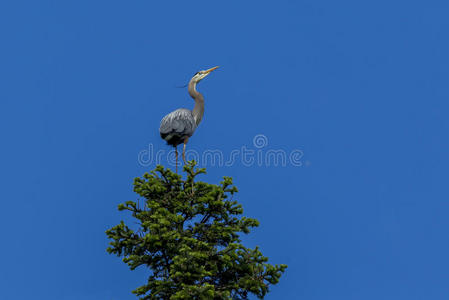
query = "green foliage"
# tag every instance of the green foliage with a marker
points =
(188, 235)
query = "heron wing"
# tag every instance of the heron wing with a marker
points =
(177, 125)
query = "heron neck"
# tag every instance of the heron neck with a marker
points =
(198, 109)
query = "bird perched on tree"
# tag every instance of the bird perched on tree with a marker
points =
(178, 126)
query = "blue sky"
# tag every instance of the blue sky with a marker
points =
(360, 87)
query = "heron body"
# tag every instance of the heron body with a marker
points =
(178, 126)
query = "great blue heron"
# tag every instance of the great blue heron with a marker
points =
(178, 126)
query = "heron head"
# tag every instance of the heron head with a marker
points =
(200, 75)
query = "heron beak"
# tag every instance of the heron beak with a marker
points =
(211, 69)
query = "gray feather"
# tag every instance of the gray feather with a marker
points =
(177, 125)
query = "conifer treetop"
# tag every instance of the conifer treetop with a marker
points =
(188, 235)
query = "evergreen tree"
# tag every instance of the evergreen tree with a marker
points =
(188, 236)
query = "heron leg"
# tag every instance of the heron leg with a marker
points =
(184, 150)
(176, 164)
